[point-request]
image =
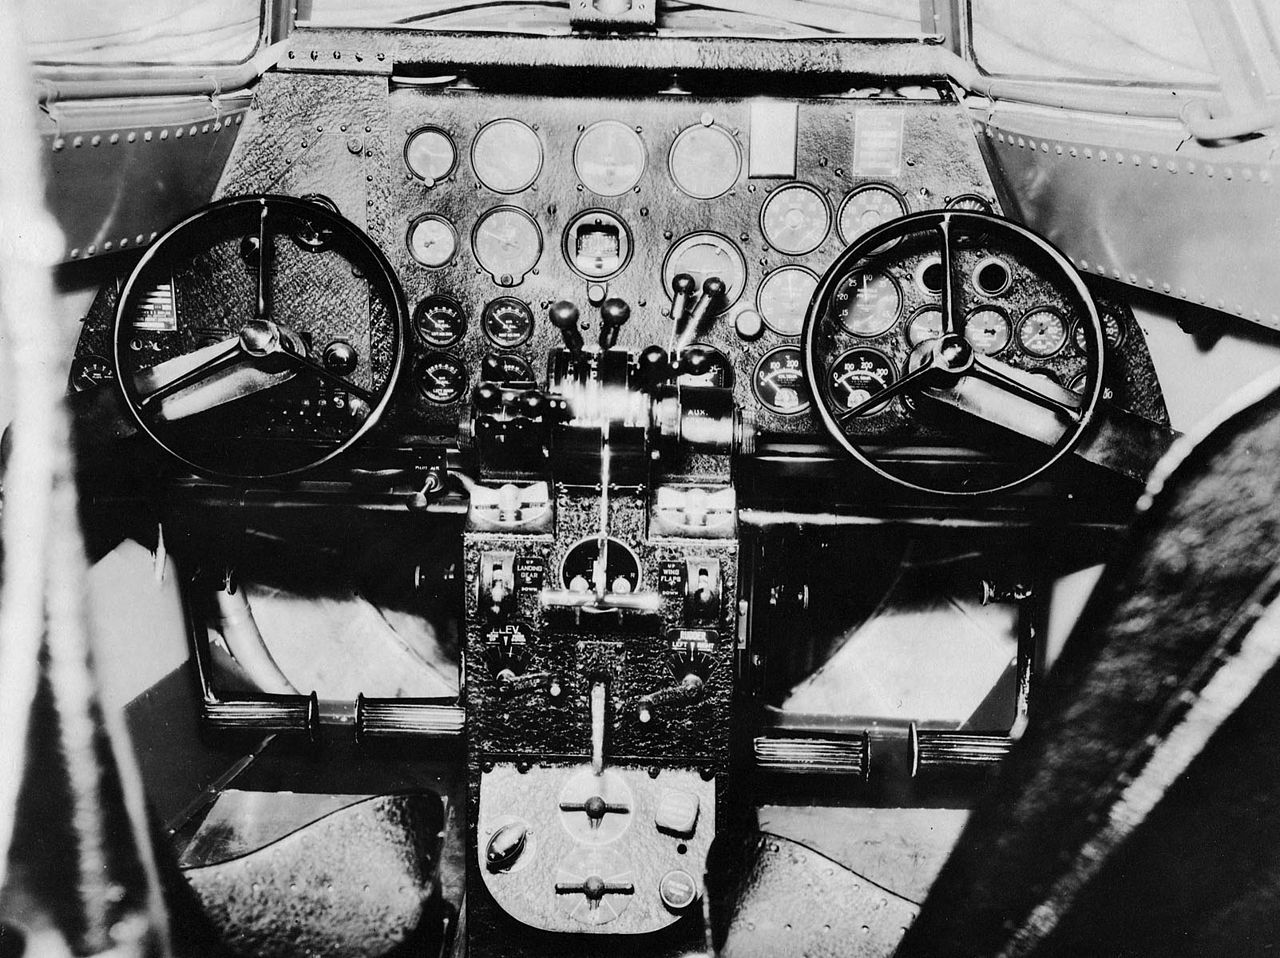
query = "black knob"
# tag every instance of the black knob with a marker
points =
(654, 367)
(488, 398)
(695, 361)
(533, 404)
(714, 287)
(682, 286)
(491, 369)
(564, 316)
(613, 313)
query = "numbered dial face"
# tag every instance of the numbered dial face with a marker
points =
(778, 381)
(430, 154)
(432, 240)
(441, 378)
(506, 155)
(609, 158)
(1112, 332)
(707, 254)
(927, 323)
(597, 244)
(857, 376)
(507, 321)
(89, 371)
(795, 219)
(505, 368)
(783, 299)
(969, 201)
(987, 330)
(866, 208)
(867, 304)
(705, 161)
(507, 244)
(439, 321)
(1042, 332)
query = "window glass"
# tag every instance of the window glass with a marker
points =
(140, 31)
(1145, 41)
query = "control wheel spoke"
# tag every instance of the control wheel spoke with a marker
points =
(229, 355)
(994, 372)
(320, 372)
(894, 388)
(950, 321)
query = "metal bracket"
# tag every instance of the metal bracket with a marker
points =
(611, 16)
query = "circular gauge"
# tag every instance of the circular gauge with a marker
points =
(609, 158)
(969, 201)
(506, 155)
(779, 383)
(581, 562)
(866, 208)
(925, 323)
(505, 368)
(702, 255)
(857, 375)
(1042, 332)
(987, 330)
(429, 154)
(795, 219)
(597, 244)
(507, 321)
(866, 304)
(439, 320)
(784, 297)
(705, 161)
(991, 277)
(432, 240)
(703, 365)
(928, 275)
(89, 371)
(1112, 332)
(441, 378)
(507, 244)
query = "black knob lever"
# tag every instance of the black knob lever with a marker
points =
(713, 290)
(564, 316)
(614, 313)
(682, 286)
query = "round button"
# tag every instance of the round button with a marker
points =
(678, 889)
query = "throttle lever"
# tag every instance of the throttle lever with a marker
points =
(564, 316)
(713, 291)
(614, 313)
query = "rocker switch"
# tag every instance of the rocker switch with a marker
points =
(701, 591)
(497, 583)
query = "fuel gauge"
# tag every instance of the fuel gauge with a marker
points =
(441, 378)
(439, 320)
(778, 381)
(507, 321)
(89, 371)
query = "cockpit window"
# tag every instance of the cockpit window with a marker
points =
(119, 32)
(871, 18)
(1143, 41)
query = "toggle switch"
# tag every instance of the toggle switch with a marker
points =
(505, 846)
(701, 591)
(497, 583)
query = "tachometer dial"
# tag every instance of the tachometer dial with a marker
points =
(1042, 332)
(784, 297)
(441, 378)
(506, 155)
(705, 161)
(866, 208)
(430, 155)
(507, 244)
(987, 330)
(432, 240)
(778, 381)
(707, 254)
(439, 320)
(858, 375)
(609, 158)
(925, 323)
(866, 304)
(795, 219)
(507, 321)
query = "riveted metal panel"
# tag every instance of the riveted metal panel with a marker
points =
(1198, 225)
(116, 177)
